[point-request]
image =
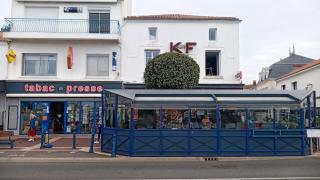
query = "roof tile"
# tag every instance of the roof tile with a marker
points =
(302, 68)
(180, 17)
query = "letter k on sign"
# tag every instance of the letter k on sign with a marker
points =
(174, 47)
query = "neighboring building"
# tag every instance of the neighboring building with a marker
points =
(268, 75)
(3, 73)
(68, 51)
(303, 78)
(213, 42)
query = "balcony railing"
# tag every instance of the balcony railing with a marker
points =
(61, 25)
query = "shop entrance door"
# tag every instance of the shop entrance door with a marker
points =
(57, 117)
(41, 110)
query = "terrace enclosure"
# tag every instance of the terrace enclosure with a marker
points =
(207, 122)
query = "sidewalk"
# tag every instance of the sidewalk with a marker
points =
(62, 151)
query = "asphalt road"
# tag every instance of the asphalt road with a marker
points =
(279, 169)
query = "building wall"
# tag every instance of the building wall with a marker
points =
(2, 109)
(135, 40)
(116, 9)
(3, 60)
(269, 84)
(80, 51)
(303, 79)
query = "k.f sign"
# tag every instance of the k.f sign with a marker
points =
(178, 47)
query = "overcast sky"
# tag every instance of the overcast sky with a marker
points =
(268, 28)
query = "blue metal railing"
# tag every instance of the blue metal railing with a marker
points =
(204, 142)
(61, 25)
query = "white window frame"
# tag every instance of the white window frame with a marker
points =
(153, 54)
(151, 37)
(38, 54)
(98, 55)
(214, 33)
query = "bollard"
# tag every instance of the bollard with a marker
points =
(74, 141)
(91, 143)
(41, 141)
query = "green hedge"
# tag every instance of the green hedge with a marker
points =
(172, 71)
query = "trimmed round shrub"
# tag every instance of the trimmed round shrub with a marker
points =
(172, 71)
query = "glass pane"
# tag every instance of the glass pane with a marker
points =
(173, 119)
(261, 119)
(87, 117)
(287, 118)
(94, 22)
(98, 115)
(104, 23)
(124, 116)
(109, 116)
(31, 66)
(103, 66)
(152, 33)
(25, 116)
(52, 68)
(72, 117)
(146, 118)
(92, 66)
(44, 67)
(232, 118)
(32, 57)
(203, 119)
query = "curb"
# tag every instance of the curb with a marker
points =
(108, 158)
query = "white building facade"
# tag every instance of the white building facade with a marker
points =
(305, 77)
(67, 52)
(213, 43)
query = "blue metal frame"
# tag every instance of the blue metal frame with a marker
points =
(309, 111)
(131, 132)
(247, 141)
(314, 109)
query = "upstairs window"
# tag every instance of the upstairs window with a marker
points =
(150, 54)
(283, 87)
(212, 34)
(294, 85)
(39, 65)
(98, 65)
(212, 63)
(153, 33)
(99, 22)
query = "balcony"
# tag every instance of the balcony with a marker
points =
(34, 28)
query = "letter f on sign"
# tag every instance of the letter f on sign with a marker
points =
(189, 46)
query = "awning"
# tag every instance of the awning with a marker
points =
(205, 97)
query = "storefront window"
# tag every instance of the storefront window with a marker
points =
(203, 119)
(25, 112)
(146, 118)
(261, 119)
(87, 117)
(72, 119)
(232, 118)
(109, 116)
(98, 114)
(175, 119)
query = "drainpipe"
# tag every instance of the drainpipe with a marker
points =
(315, 109)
